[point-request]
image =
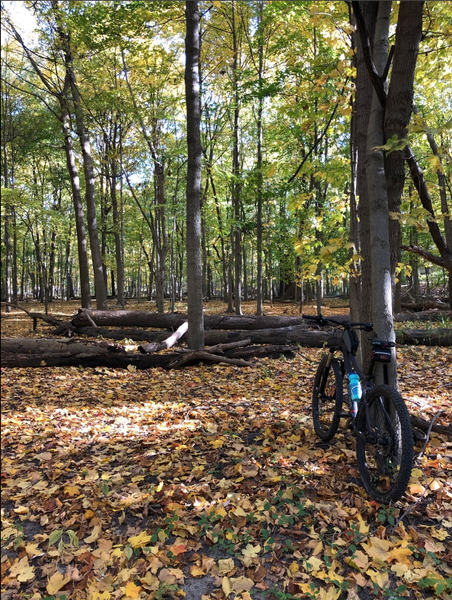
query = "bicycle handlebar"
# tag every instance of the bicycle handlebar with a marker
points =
(321, 320)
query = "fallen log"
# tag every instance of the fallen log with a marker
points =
(46, 346)
(427, 315)
(423, 337)
(136, 318)
(172, 321)
(296, 335)
(319, 338)
(124, 360)
(424, 426)
(424, 305)
(136, 334)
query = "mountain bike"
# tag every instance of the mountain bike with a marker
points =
(377, 414)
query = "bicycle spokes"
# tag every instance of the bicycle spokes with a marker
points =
(385, 445)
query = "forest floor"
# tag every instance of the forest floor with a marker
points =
(209, 483)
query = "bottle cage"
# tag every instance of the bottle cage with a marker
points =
(351, 340)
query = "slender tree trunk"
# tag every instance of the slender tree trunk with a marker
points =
(194, 272)
(236, 185)
(99, 282)
(78, 208)
(82, 133)
(117, 234)
(8, 261)
(260, 183)
(382, 316)
(355, 267)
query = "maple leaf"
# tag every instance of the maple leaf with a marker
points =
(358, 561)
(132, 590)
(56, 582)
(381, 578)
(378, 548)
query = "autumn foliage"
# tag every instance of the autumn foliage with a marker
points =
(209, 483)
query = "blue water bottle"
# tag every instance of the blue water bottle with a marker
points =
(354, 386)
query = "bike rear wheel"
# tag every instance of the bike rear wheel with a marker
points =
(327, 399)
(384, 444)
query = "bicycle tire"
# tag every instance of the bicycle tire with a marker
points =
(327, 399)
(385, 454)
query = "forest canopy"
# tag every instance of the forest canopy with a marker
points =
(94, 153)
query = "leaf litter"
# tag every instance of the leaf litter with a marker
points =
(209, 483)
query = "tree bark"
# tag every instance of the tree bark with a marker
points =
(136, 318)
(378, 198)
(77, 202)
(82, 133)
(193, 193)
(361, 116)
(397, 115)
(70, 353)
(32, 352)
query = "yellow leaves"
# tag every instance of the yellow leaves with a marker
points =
(138, 541)
(314, 564)
(220, 511)
(400, 555)
(236, 585)
(171, 576)
(33, 550)
(56, 582)
(156, 519)
(249, 553)
(358, 561)
(22, 571)
(197, 571)
(217, 443)
(439, 534)
(132, 590)
(225, 565)
(378, 548)
(435, 164)
(94, 535)
(381, 578)
(21, 510)
(71, 490)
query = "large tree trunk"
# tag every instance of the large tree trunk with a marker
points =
(397, 115)
(361, 116)
(193, 194)
(378, 198)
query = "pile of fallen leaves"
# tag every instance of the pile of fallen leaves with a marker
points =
(209, 483)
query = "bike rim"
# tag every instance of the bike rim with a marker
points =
(383, 446)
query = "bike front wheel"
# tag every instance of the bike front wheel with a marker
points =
(327, 399)
(384, 444)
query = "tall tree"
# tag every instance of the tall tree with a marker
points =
(59, 89)
(194, 271)
(64, 35)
